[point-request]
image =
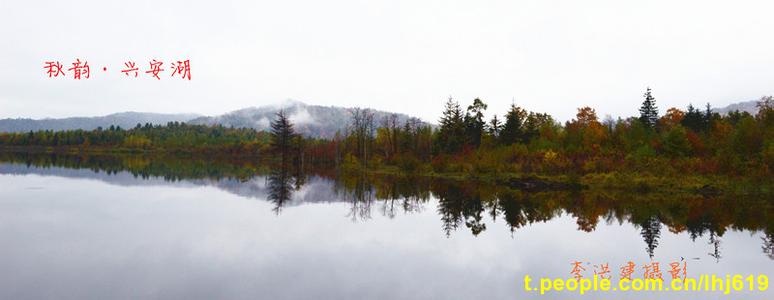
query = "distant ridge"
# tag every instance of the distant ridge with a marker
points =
(124, 119)
(309, 120)
(748, 106)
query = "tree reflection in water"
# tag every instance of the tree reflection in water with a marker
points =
(651, 232)
(467, 202)
(281, 182)
(280, 185)
(768, 244)
(459, 203)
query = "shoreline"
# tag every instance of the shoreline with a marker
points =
(625, 181)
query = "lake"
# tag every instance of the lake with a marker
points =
(139, 228)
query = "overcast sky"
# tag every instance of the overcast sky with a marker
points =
(404, 56)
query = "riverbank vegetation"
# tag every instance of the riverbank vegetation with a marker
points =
(692, 147)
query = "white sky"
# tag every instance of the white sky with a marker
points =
(404, 56)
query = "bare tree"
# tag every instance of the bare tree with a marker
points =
(363, 131)
(390, 125)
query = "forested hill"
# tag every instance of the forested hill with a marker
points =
(124, 120)
(309, 120)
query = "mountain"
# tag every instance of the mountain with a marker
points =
(748, 106)
(309, 120)
(125, 120)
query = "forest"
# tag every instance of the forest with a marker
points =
(695, 141)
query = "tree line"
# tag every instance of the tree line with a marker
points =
(695, 140)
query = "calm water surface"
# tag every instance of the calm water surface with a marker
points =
(126, 229)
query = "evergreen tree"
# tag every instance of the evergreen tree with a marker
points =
(649, 111)
(513, 130)
(282, 136)
(451, 134)
(694, 119)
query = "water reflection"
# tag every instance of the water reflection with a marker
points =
(768, 244)
(468, 206)
(281, 186)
